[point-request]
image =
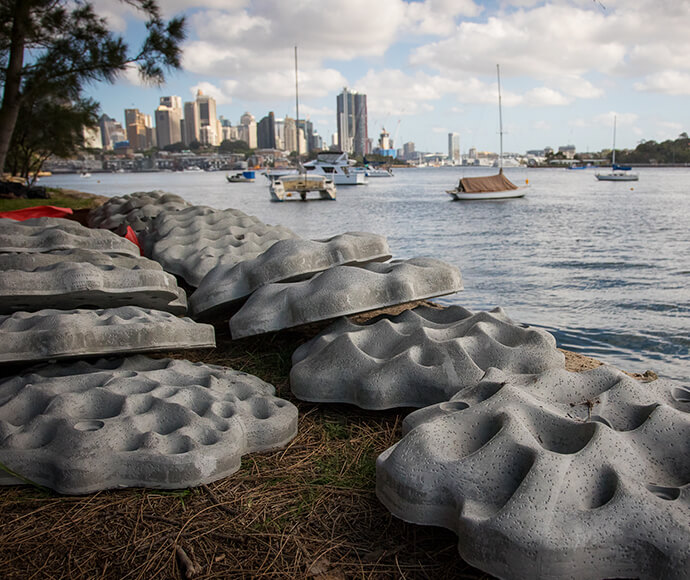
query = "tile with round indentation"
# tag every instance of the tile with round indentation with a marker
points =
(49, 234)
(193, 241)
(82, 427)
(344, 290)
(523, 463)
(286, 260)
(55, 334)
(417, 358)
(135, 210)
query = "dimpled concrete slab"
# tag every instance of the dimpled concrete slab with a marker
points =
(135, 210)
(53, 334)
(85, 279)
(556, 475)
(135, 422)
(344, 290)
(417, 358)
(191, 242)
(286, 260)
(49, 234)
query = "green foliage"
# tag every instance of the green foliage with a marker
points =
(235, 147)
(669, 151)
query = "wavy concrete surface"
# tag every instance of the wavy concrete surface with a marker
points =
(417, 358)
(556, 475)
(135, 422)
(344, 290)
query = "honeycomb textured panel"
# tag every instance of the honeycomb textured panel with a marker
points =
(135, 422)
(135, 210)
(191, 242)
(286, 260)
(417, 358)
(49, 234)
(85, 279)
(344, 290)
(53, 334)
(556, 475)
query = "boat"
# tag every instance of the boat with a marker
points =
(618, 172)
(490, 186)
(336, 166)
(378, 172)
(241, 177)
(298, 187)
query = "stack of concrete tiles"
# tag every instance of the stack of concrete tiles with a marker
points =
(554, 475)
(417, 358)
(344, 290)
(191, 242)
(135, 210)
(285, 261)
(82, 427)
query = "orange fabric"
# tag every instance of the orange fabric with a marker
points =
(131, 235)
(36, 212)
(498, 182)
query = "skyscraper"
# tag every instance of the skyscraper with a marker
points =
(139, 129)
(454, 148)
(266, 132)
(352, 121)
(168, 117)
(191, 122)
(111, 131)
(247, 120)
(207, 118)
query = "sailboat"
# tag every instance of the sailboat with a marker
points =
(490, 186)
(618, 172)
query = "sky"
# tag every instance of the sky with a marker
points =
(428, 67)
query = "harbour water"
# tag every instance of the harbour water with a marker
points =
(603, 266)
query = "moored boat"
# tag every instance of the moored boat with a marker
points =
(299, 186)
(618, 172)
(241, 177)
(336, 166)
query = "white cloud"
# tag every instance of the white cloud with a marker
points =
(219, 94)
(543, 96)
(668, 82)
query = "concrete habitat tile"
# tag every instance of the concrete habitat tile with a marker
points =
(417, 358)
(49, 234)
(555, 475)
(135, 422)
(54, 334)
(191, 242)
(70, 279)
(344, 290)
(286, 260)
(135, 210)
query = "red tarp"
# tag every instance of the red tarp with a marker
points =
(36, 212)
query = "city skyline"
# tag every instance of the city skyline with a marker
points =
(428, 67)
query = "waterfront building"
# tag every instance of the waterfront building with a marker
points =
(192, 122)
(250, 129)
(568, 151)
(266, 132)
(408, 150)
(453, 148)
(207, 118)
(139, 129)
(352, 122)
(168, 117)
(111, 132)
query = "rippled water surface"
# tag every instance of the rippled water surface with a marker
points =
(604, 266)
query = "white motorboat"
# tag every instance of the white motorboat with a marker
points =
(241, 177)
(491, 186)
(378, 172)
(618, 172)
(298, 187)
(336, 166)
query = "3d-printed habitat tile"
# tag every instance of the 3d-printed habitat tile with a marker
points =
(193, 241)
(135, 422)
(49, 234)
(417, 358)
(52, 334)
(135, 210)
(286, 260)
(85, 279)
(556, 475)
(344, 290)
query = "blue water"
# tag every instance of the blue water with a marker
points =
(604, 266)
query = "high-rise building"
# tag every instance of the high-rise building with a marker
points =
(289, 134)
(247, 120)
(352, 121)
(266, 132)
(192, 123)
(168, 121)
(454, 148)
(207, 118)
(111, 132)
(408, 150)
(139, 129)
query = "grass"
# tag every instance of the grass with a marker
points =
(307, 511)
(60, 198)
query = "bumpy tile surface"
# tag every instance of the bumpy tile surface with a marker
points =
(417, 358)
(53, 334)
(135, 210)
(85, 279)
(292, 259)
(135, 421)
(49, 234)
(191, 242)
(558, 475)
(344, 290)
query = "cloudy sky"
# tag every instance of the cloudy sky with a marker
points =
(428, 67)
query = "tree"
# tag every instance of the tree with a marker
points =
(46, 44)
(241, 147)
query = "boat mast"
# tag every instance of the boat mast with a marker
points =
(296, 106)
(500, 122)
(613, 160)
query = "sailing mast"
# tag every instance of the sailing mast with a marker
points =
(297, 106)
(500, 122)
(613, 160)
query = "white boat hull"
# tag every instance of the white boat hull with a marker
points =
(617, 176)
(486, 195)
(299, 188)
